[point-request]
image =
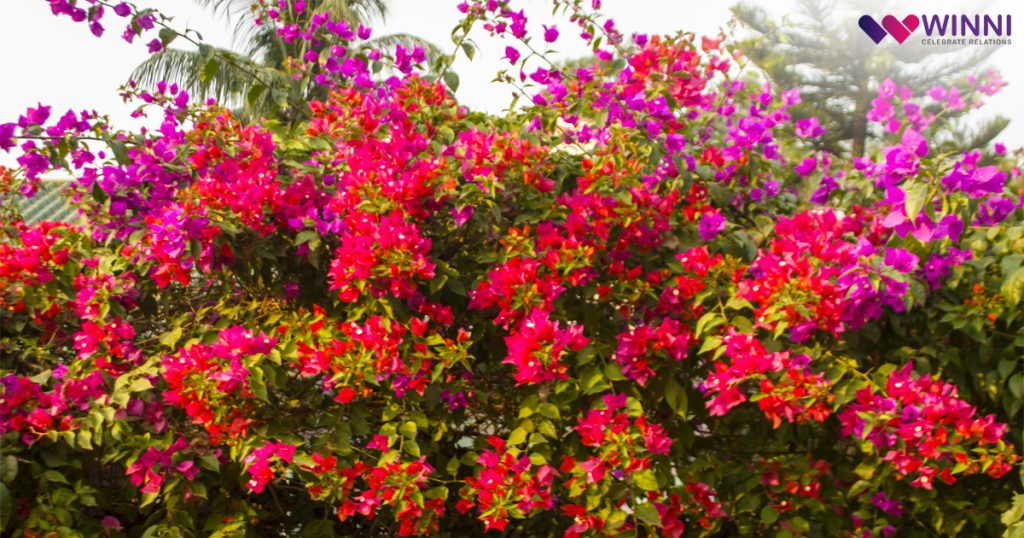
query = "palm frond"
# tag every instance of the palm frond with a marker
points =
(226, 80)
(251, 78)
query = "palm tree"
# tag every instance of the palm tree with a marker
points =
(838, 69)
(250, 77)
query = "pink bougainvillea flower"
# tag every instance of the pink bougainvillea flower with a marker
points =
(511, 54)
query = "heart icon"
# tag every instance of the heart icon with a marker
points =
(900, 30)
(872, 28)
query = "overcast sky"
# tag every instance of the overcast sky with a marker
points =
(58, 62)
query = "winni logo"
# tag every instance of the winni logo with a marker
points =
(963, 29)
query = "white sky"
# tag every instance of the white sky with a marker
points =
(58, 62)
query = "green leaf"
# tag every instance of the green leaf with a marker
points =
(517, 436)
(305, 236)
(55, 477)
(800, 524)
(547, 429)
(614, 372)
(737, 303)
(594, 382)
(85, 439)
(721, 194)
(41, 377)
(445, 134)
(259, 386)
(6, 506)
(1015, 513)
(456, 287)
(167, 36)
(53, 458)
(170, 337)
(408, 429)
(438, 282)
(529, 406)
(648, 514)
(140, 384)
(676, 397)
(769, 515)
(8, 469)
(646, 480)
(439, 492)
(1012, 289)
(280, 98)
(710, 344)
(550, 411)
(585, 355)
(236, 527)
(210, 463)
(254, 94)
(469, 49)
(1016, 385)
(917, 196)
(708, 321)
(209, 70)
(857, 488)
(120, 151)
(453, 466)
(451, 79)
(98, 193)
(1006, 367)
(866, 469)
(198, 489)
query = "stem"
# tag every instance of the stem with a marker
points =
(42, 137)
(458, 45)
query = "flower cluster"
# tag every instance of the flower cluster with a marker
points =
(140, 22)
(883, 508)
(33, 124)
(110, 345)
(814, 277)
(154, 465)
(32, 263)
(241, 179)
(786, 388)
(332, 480)
(399, 485)
(33, 412)
(923, 429)
(507, 485)
(793, 483)
(520, 283)
(353, 355)
(536, 347)
(379, 254)
(293, 23)
(624, 443)
(212, 382)
(637, 344)
(259, 463)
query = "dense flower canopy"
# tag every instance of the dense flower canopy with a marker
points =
(641, 301)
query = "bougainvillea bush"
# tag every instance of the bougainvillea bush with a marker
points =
(642, 301)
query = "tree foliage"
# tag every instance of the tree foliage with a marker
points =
(255, 79)
(822, 51)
